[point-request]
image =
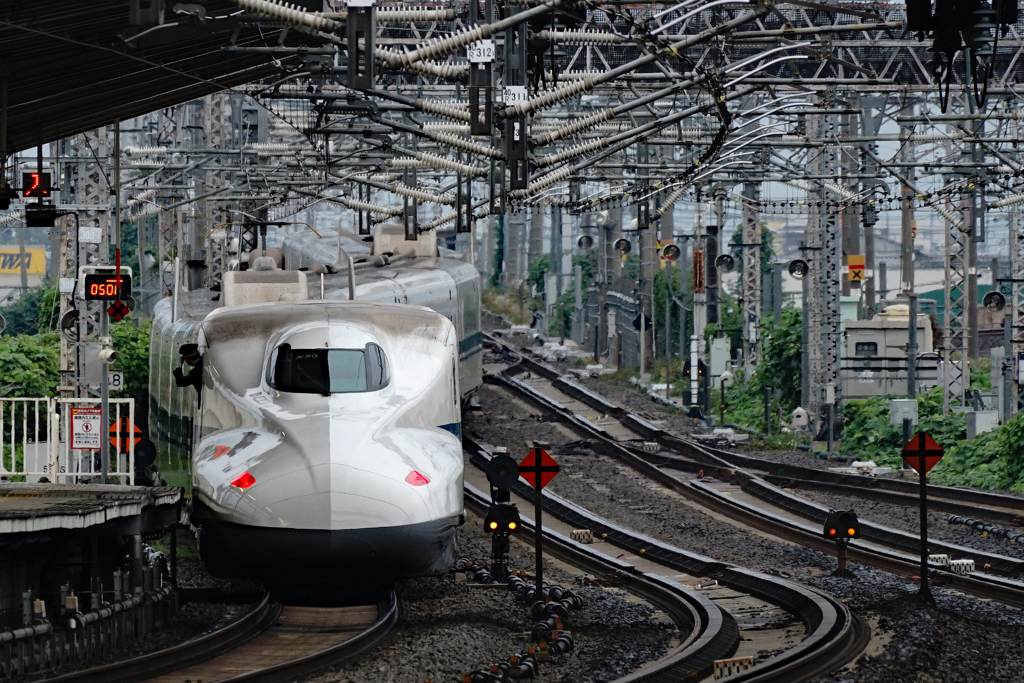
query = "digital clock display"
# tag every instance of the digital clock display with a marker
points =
(103, 287)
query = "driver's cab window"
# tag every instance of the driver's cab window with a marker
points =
(328, 371)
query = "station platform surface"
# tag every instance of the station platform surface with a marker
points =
(32, 508)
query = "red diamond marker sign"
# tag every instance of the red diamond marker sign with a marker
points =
(922, 444)
(117, 311)
(538, 462)
(120, 435)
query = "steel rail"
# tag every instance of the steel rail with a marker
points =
(982, 585)
(185, 654)
(348, 649)
(834, 637)
(206, 649)
(691, 457)
(712, 633)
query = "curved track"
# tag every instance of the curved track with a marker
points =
(287, 642)
(677, 456)
(833, 634)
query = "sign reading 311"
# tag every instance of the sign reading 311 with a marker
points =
(515, 94)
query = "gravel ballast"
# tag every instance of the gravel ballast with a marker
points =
(449, 629)
(962, 639)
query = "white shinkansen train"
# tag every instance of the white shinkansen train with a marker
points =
(325, 433)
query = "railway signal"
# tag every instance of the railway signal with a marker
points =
(841, 526)
(502, 517)
(923, 453)
(538, 468)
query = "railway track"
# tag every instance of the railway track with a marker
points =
(730, 607)
(626, 437)
(271, 644)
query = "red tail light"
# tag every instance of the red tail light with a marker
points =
(244, 481)
(416, 479)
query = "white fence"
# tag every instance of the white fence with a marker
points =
(59, 439)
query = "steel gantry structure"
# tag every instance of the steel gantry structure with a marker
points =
(500, 121)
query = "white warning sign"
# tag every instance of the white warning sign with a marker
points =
(85, 428)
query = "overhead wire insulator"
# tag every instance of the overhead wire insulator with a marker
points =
(934, 137)
(287, 12)
(452, 110)
(453, 128)
(669, 201)
(582, 37)
(573, 152)
(547, 181)
(438, 161)
(835, 188)
(576, 126)
(141, 198)
(549, 98)
(372, 207)
(434, 48)
(270, 148)
(1007, 201)
(464, 144)
(570, 75)
(144, 151)
(447, 72)
(450, 217)
(389, 14)
(12, 217)
(407, 191)
(406, 162)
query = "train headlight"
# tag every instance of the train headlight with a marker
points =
(416, 479)
(243, 481)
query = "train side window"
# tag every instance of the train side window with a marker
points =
(377, 375)
(866, 349)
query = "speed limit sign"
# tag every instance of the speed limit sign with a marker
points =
(115, 380)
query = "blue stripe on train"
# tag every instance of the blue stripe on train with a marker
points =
(453, 427)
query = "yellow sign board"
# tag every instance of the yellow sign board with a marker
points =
(855, 263)
(10, 260)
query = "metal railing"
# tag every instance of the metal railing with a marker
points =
(59, 440)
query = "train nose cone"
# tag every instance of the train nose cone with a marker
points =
(343, 472)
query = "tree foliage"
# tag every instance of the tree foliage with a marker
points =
(29, 364)
(133, 344)
(561, 319)
(779, 369)
(868, 435)
(34, 312)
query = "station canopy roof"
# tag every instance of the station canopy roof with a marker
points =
(77, 65)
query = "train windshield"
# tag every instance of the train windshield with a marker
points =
(329, 371)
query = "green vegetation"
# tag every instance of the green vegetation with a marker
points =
(29, 364)
(993, 460)
(779, 371)
(34, 312)
(560, 323)
(133, 343)
(30, 348)
(500, 303)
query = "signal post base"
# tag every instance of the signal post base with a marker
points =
(842, 571)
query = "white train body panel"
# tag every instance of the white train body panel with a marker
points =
(330, 471)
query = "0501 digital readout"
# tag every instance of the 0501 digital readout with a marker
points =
(103, 287)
